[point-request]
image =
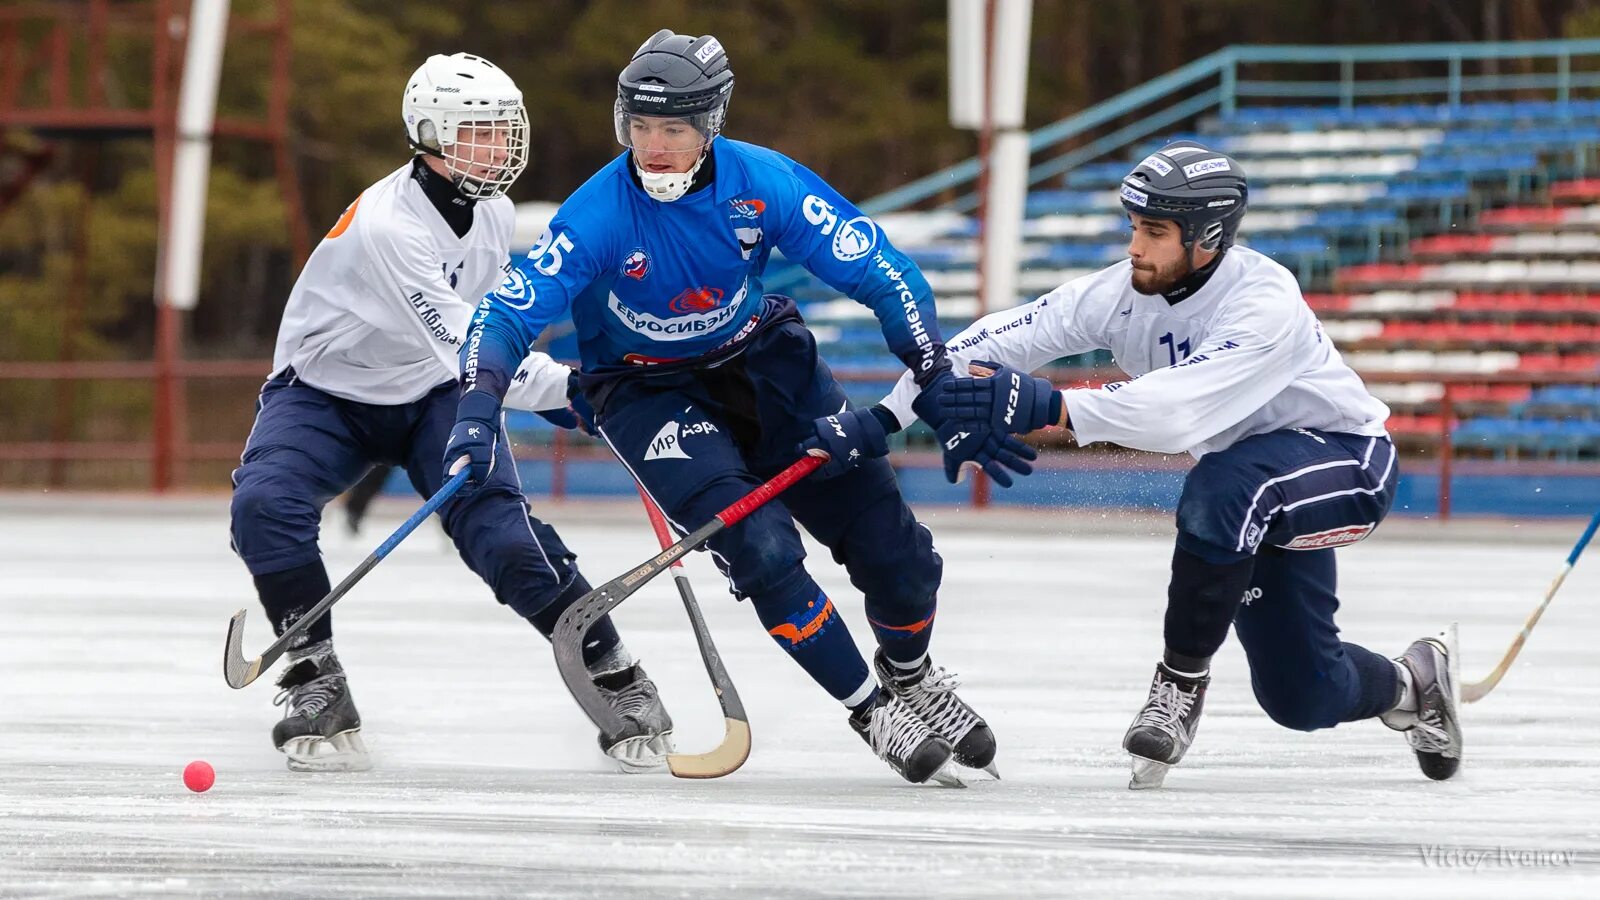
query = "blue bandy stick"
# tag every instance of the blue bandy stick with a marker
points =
(240, 672)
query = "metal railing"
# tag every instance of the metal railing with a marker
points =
(1219, 74)
(1214, 82)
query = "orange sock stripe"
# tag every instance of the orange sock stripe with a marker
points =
(913, 628)
(796, 635)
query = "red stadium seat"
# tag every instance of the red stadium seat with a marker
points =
(1523, 215)
(1580, 191)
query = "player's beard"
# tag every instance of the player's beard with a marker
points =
(1160, 280)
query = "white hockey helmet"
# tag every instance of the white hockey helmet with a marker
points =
(466, 111)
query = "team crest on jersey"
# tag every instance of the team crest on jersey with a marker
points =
(696, 300)
(637, 265)
(747, 209)
(515, 291)
(749, 239)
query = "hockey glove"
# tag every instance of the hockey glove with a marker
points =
(474, 437)
(1009, 401)
(971, 440)
(850, 438)
(994, 452)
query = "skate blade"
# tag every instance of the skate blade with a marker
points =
(993, 770)
(947, 776)
(642, 755)
(344, 752)
(1452, 655)
(1147, 774)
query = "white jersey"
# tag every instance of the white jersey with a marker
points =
(380, 311)
(1243, 355)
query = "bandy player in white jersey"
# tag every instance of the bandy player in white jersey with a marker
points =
(1231, 365)
(365, 373)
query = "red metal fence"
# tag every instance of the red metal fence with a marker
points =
(171, 441)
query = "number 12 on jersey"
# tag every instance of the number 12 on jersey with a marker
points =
(1177, 351)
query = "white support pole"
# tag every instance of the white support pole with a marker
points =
(191, 168)
(1008, 191)
(966, 63)
(1007, 180)
(1008, 73)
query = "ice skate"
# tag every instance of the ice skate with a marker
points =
(900, 738)
(320, 730)
(644, 745)
(1433, 728)
(931, 692)
(1165, 726)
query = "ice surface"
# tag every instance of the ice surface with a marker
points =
(488, 783)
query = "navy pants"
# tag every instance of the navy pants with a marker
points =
(1257, 524)
(308, 446)
(699, 439)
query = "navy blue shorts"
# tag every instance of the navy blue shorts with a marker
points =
(1294, 489)
(308, 446)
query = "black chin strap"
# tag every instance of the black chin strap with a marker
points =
(455, 207)
(1196, 279)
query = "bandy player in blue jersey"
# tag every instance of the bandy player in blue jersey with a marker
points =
(704, 386)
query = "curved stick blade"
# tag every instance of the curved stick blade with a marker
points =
(567, 641)
(235, 668)
(721, 760)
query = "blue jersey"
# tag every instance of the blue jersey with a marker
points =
(649, 282)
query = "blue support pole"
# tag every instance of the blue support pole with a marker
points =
(1230, 84)
(1564, 80)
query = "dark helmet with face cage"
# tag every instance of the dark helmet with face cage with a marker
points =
(1200, 189)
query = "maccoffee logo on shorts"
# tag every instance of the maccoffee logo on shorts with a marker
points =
(1333, 537)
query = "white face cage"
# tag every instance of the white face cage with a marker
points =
(484, 151)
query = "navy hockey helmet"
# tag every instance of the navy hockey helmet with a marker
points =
(678, 76)
(1202, 190)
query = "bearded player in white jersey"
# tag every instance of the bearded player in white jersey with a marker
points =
(1229, 364)
(365, 373)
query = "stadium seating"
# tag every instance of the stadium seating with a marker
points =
(1434, 241)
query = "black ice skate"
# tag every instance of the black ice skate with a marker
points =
(931, 692)
(900, 738)
(1433, 729)
(1164, 728)
(644, 745)
(320, 730)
